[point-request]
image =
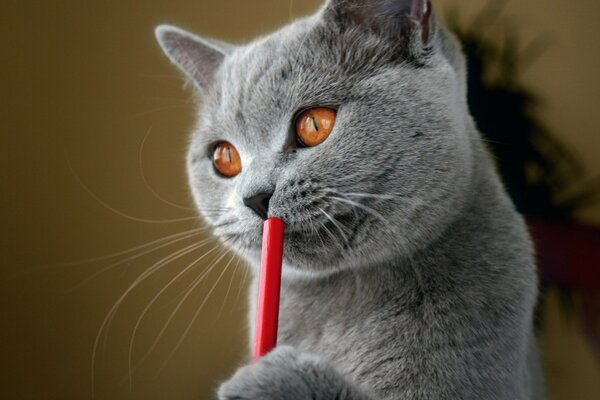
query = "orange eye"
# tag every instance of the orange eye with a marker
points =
(226, 159)
(314, 126)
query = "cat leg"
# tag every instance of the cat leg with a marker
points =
(285, 373)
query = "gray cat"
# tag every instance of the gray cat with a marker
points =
(408, 274)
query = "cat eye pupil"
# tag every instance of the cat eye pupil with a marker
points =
(313, 126)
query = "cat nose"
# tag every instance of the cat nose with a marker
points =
(259, 203)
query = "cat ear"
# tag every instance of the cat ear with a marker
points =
(410, 20)
(198, 58)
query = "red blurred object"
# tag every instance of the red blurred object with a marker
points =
(269, 285)
(568, 253)
(568, 257)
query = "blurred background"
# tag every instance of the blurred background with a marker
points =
(94, 125)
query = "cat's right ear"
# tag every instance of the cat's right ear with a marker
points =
(403, 21)
(198, 58)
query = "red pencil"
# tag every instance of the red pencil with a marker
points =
(269, 285)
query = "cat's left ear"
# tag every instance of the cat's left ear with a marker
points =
(198, 58)
(409, 21)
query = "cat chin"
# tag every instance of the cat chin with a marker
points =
(307, 251)
(291, 272)
(301, 260)
(303, 252)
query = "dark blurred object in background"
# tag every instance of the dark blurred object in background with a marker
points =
(543, 178)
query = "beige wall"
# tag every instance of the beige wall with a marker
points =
(82, 83)
(565, 75)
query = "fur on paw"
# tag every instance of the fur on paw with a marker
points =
(284, 373)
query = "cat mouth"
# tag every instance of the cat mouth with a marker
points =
(311, 237)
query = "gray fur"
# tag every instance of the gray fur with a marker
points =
(408, 274)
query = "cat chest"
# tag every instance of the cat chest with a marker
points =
(350, 338)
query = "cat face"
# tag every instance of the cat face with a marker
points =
(352, 132)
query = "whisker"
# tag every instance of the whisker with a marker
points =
(154, 299)
(155, 267)
(105, 326)
(191, 323)
(316, 231)
(215, 208)
(215, 212)
(333, 237)
(225, 223)
(188, 292)
(116, 254)
(335, 223)
(354, 211)
(364, 208)
(360, 174)
(373, 195)
(133, 257)
(230, 283)
(389, 227)
(188, 286)
(243, 280)
(120, 213)
(143, 175)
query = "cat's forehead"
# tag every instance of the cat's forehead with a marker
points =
(256, 73)
(273, 66)
(309, 56)
(263, 83)
(274, 51)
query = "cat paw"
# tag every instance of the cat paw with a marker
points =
(285, 373)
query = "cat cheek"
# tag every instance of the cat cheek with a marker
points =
(230, 201)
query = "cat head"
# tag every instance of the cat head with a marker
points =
(350, 125)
